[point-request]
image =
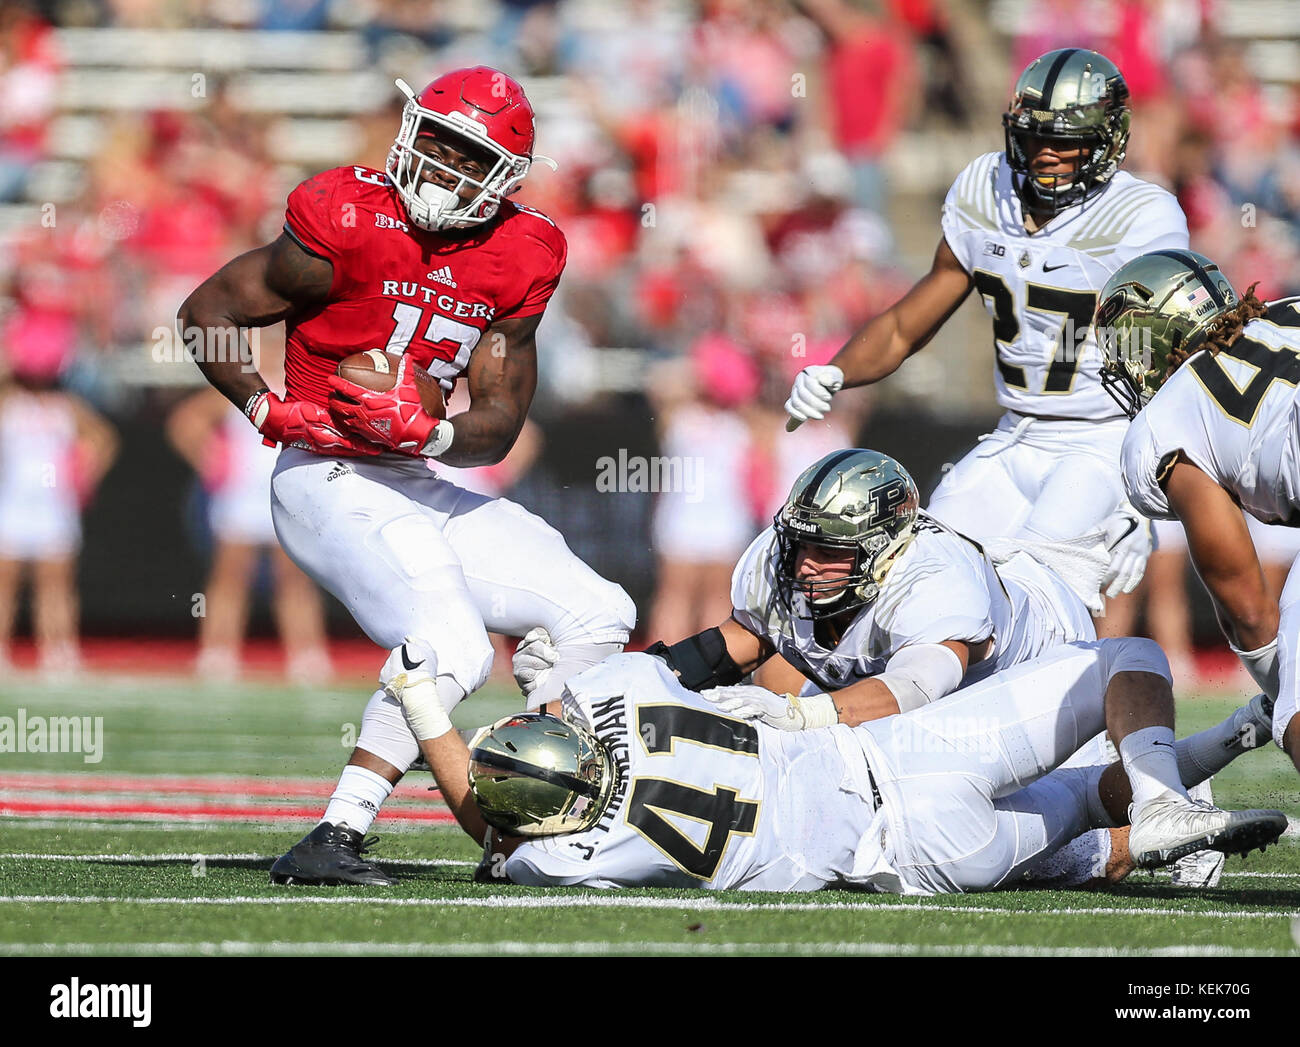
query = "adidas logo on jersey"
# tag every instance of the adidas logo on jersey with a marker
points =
(442, 276)
(339, 470)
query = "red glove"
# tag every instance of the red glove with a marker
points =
(394, 418)
(300, 423)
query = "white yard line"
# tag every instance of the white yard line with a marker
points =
(595, 948)
(190, 856)
(195, 855)
(176, 825)
(613, 901)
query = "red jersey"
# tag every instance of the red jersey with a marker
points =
(404, 289)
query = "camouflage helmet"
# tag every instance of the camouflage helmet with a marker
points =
(853, 499)
(533, 774)
(1151, 306)
(1076, 96)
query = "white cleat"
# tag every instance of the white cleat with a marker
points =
(1166, 829)
(1201, 868)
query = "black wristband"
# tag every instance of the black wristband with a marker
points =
(701, 661)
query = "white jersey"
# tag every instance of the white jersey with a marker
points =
(704, 800)
(1041, 288)
(934, 800)
(1234, 415)
(942, 587)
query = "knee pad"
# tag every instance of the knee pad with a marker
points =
(1135, 654)
(599, 612)
(622, 611)
(456, 673)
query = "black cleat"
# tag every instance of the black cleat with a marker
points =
(330, 856)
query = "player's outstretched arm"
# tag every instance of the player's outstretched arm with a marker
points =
(441, 745)
(879, 349)
(917, 675)
(1224, 556)
(715, 657)
(257, 289)
(501, 378)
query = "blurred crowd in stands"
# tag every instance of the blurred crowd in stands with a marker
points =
(724, 181)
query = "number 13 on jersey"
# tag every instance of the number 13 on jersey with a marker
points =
(452, 341)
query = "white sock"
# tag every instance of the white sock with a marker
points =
(357, 798)
(1152, 768)
(1080, 861)
(1205, 754)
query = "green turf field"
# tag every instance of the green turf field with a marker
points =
(80, 885)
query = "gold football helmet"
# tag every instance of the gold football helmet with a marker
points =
(1076, 96)
(853, 499)
(533, 774)
(1155, 304)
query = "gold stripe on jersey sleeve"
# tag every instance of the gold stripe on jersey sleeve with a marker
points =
(1105, 243)
(976, 198)
(1108, 217)
(1111, 228)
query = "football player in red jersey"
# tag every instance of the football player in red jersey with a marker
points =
(427, 259)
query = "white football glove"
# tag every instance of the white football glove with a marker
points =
(810, 397)
(534, 659)
(782, 711)
(1130, 539)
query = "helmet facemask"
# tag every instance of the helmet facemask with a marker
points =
(431, 206)
(826, 598)
(536, 775)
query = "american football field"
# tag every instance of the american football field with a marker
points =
(160, 845)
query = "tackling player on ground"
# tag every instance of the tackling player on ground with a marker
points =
(1212, 379)
(1036, 231)
(645, 784)
(884, 610)
(428, 259)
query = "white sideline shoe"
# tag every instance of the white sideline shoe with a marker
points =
(1166, 829)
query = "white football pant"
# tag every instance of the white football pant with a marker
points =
(1045, 480)
(413, 555)
(970, 784)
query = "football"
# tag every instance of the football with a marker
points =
(377, 370)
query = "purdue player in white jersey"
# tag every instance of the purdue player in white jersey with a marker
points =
(1036, 231)
(918, 611)
(645, 784)
(1212, 380)
(869, 599)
